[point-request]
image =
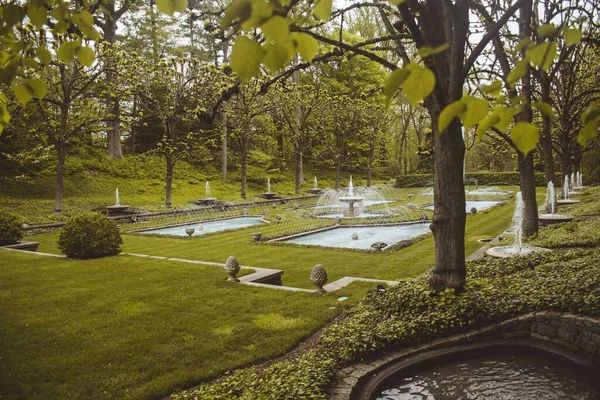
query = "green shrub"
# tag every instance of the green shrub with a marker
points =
(11, 227)
(90, 235)
(482, 178)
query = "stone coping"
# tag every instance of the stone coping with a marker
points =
(577, 337)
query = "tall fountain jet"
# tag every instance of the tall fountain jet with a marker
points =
(351, 199)
(551, 217)
(550, 198)
(565, 188)
(117, 200)
(207, 190)
(517, 247)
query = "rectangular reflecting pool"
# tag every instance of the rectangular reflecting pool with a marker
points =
(367, 235)
(204, 227)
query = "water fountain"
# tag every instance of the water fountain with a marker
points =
(550, 217)
(268, 194)
(350, 199)
(566, 191)
(361, 202)
(517, 249)
(117, 208)
(315, 189)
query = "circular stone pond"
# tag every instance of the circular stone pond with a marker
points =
(502, 372)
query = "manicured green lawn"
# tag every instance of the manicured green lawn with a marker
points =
(129, 327)
(135, 328)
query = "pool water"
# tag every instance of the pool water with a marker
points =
(367, 235)
(496, 376)
(206, 226)
(478, 204)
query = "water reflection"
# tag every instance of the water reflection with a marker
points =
(498, 376)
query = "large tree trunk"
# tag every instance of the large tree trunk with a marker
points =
(169, 180)
(527, 176)
(546, 139)
(61, 149)
(113, 124)
(449, 214)
(565, 158)
(577, 155)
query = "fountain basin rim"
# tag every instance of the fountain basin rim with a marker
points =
(507, 251)
(349, 198)
(568, 201)
(370, 384)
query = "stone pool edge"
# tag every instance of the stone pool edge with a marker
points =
(578, 335)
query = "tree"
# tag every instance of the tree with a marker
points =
(176, 92)
(243, 112)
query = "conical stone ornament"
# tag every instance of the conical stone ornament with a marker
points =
(232, 267)
(318, 276)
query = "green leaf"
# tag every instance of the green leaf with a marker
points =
(504, 115)
(542, 55)
(397, 2)
(525, 136)
(37, 87)
(523, 44)
(393, 82)
(12, 14)
(477, 109)
(276, 56)
(23, 93)
(486, 125)
(450, 112)
(419, 84)
(246, 57)
(237, 10)
(260, 14)
(44, 55)
(5, 115)
(86, 56)
(588, 132)
(85, 22)
(426, 51)
(276, 29)
(573, 36)
(37, 14)
(547, 31)
(307, 45)
(590, 113)
(517, 73)
(169, 7)
(66, 51)
(493, 89)
(322, 9)
(544, 108)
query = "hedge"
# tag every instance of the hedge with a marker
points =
(482, 178)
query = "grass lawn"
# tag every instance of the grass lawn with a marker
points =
(135, 328)
(129, 327)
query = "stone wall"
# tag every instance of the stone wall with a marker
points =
(578, 334)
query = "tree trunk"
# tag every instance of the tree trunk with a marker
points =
(113, 124)
(244, 158)
(546, 139)
(224, 147)
(577, 154)
(61, 149)
(449, 215)
(527, 176)
(297, 170)
(169, 180)
(338, 167)
(565, 158)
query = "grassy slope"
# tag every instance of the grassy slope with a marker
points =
(127, 327)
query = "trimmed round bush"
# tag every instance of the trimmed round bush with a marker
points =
(11, 227)
(90, 235)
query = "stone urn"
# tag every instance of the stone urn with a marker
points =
(190, 231)
(473, 210)
(318, 277)
(354, 236)
(257, 236)
(232, 267)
